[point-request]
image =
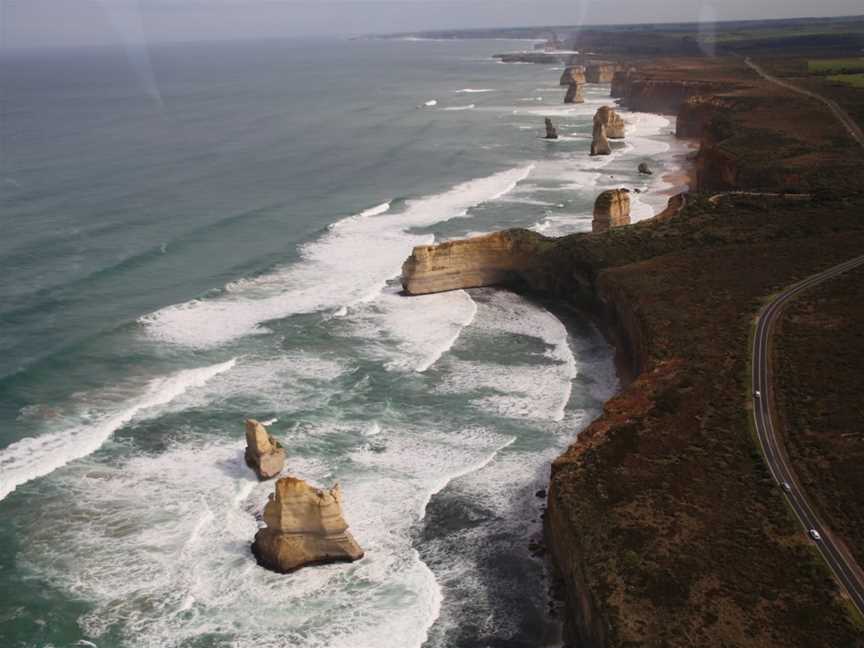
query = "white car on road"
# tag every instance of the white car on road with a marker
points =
(815, 535)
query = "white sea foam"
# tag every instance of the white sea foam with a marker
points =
(431, 102)
(423, 328)
(34, 457)
(474, 90)
(336, 270)
(539, 390)
(195, 505)
(457, 108)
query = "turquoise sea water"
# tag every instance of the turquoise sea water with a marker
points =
(216, 231)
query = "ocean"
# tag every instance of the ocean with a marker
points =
(203, 233)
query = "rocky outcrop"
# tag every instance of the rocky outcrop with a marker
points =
(599, 143)
(304, 527)
(574, 94)
(665, 96)
(264, 454)
(600, 72)
(490, 260)
(643, 169)
(611, 209)
(572, 74)
(611, 120)
(551, 132)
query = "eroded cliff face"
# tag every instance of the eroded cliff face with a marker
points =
(663, 96)
(695, 113)
(600, 72)
(492, 260)
(621, 82)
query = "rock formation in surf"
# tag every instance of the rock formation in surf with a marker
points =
(264, 454)
(612, 121)
(572, 74)
(489, 260)
(643, 169)
(551, 132)
(304, 527)
(611, 209)
(574, 94)
(599, 143)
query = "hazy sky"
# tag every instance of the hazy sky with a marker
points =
(37, 23)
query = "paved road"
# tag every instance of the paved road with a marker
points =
(839, 560)
(850, 124)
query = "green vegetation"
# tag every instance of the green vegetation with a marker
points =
(852, 80)
(836, 66)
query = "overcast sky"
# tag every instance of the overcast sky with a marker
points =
(37, 23)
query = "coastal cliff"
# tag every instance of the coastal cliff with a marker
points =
(654, 501)
(495, 259)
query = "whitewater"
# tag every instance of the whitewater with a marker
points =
(238, 255)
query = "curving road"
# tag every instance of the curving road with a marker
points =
(851, 126)
(842, 564)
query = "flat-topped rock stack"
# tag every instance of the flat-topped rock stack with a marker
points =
(551, 131)
(304, 527)
(611, 209)
(490, 260)
(264, 454)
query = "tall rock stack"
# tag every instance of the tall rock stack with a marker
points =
(304, 527)
(573, 74)
(611, 209)
(264, 454)
(574, 93)
(551, 132)
(599, 143)
(611, 120)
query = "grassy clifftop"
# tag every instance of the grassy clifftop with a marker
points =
(665, 502)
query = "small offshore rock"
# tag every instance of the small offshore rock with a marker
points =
(264, 454)
(643, 168)
(551, 132)
(540, 493)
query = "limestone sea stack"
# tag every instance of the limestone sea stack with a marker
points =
(574, 94)
(304, 527)
(490, 260)
(551, 132)
(611, 209)
(611, 120)
(264, 454)
(599, 143)
(572, 74)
